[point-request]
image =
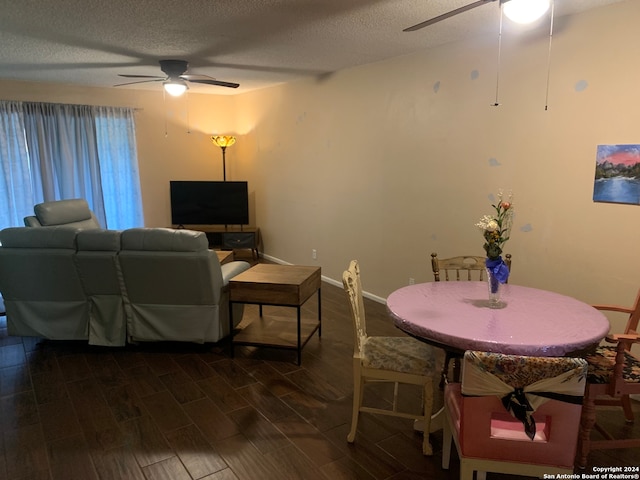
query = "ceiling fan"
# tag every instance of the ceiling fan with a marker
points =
(176, 77)
(520, 11)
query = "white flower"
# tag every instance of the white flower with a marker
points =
(484, 222)
(496, 228)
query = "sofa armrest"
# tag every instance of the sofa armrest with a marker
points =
(231, 269)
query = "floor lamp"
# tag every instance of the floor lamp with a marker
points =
(223, 141)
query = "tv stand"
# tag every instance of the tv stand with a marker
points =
(228, 237)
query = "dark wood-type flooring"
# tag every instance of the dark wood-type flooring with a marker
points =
(182, 411)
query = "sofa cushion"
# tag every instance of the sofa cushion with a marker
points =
(44, 295)
(49, 237)
(164, 240)
(99, 240)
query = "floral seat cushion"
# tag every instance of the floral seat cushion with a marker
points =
(601, 366)
(398, 354)
(520, 371)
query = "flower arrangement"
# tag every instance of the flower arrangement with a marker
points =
(496, 229)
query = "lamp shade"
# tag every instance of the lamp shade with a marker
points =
(223, 141)
(525, 11)
(175, 87)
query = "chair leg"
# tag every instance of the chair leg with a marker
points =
(358, 387)
(445, 370)
(427, 407)
(626, 407)
(587, 421)
(466, 470)
(447, 441)
(456, 369)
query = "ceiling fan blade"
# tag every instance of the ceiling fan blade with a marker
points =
(444, 16)
(138, 76)
(212, 81)
(175, 70)
(159, 79)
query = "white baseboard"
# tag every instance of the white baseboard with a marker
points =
(337, 283)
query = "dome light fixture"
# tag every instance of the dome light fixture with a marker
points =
(175, 87)
(525, 11)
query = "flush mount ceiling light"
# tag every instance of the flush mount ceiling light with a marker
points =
(175, 87)
(175, 78)
(525, 11)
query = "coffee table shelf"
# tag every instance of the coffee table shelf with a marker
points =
(276, 332)
(278, 285)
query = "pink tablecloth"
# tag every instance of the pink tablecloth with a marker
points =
(533, 322)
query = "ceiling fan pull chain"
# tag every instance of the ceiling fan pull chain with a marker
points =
(186, 99)
(546, 101)
(496, 103)
(164, 105)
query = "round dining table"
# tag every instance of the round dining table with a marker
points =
(456, 316)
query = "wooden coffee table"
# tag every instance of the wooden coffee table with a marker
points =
(225, 256)
(278, 285)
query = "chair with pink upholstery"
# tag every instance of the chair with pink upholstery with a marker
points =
(514, 414)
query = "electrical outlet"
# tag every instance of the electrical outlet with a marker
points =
(314, 254)
(412, 280)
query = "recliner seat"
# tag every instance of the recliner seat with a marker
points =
(107, 287)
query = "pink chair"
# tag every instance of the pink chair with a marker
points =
(481, 414)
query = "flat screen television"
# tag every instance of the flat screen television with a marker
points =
(209, 203)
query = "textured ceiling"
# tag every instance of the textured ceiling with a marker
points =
(256, 43)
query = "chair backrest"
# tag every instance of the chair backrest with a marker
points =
(174, 285)
(631, 326)
(466, 267)
(353, 286)
(69, 213)
(167, 266)
(493, 388)
(42, 290)
(99, 267)
(634, 316)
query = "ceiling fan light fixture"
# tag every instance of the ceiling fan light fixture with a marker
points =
(525, 11)
(175, 87)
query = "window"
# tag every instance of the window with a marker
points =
(53, 152)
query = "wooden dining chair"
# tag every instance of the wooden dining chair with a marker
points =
(614, 374)
(393, 360)
(465, 267)
(514, 414)
(462, 268)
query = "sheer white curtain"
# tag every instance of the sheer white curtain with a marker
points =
(64, 154)
(116, 139)
(69, 151)
(16, 194)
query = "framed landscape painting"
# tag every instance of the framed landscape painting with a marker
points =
(617, 177)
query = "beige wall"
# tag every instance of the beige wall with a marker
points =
(373, 163)
(376, 163)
